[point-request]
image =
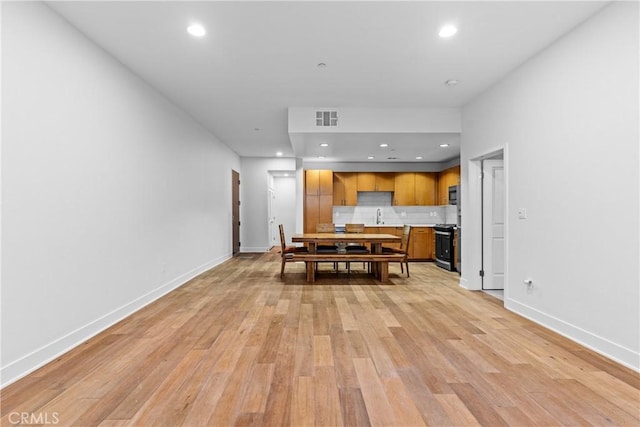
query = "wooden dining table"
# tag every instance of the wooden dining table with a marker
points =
(379, 267)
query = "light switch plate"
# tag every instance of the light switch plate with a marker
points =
(522, 213)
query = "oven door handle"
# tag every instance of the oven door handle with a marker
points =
(443, 233)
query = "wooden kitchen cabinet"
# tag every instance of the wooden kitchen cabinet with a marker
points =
(415, 189)
(385, 181)
(375, 181)
(447, 178)
(425, 184)
(318, 181)
(405, 189)
(318, 198)
(421, 244)
(396, 231)
(345, 188)
(366, 181)
(371, 230)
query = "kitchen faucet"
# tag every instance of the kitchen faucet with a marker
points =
(378, 216)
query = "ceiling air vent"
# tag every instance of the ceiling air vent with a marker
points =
(326, 118)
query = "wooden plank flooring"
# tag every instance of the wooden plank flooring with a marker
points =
(238, 346)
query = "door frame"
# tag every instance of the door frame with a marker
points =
(472, 250)
(235, 213)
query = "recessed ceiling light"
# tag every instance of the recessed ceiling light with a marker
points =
(286, 174)
(444, 145)
(418, 157)
(447, 31)
(384, 145)
(324, 144)
(279, 153)
(321, 157)
(196, 30)
(370, 157)
(451, 82)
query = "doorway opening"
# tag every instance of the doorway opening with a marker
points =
(281, 205)
(490, 197)
(235, 212)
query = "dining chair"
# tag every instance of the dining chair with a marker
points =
(355, 248)
(404, 248)
(287, 252)
(327, 227)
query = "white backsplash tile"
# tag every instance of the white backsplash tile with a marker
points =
(450, 214)
(393, 215)
(374, 198)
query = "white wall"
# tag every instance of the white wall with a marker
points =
(111, 196)
(254, 185)
(568, 119)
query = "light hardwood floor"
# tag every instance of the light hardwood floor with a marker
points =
(238, 346)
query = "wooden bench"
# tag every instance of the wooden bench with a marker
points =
(380, 262)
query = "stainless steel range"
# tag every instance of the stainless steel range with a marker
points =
(444, 246)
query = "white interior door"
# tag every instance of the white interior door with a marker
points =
(493, 214)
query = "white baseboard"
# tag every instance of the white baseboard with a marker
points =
(45, 354)
(463, 283)
(603, 346)
(466, 284)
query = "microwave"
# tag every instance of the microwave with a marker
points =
(453, 195)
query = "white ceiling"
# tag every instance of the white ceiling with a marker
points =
(260, 58)
(403, 147)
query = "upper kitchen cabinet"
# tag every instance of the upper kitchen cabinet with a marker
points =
(345, 189)
(385, 181)
(318, 182)
(415, 188)
(426, 188)
(447, 178)
(405, 189)
(376, 181)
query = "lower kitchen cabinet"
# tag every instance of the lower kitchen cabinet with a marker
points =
(421, 244)
(396, 231)
(372, 230)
